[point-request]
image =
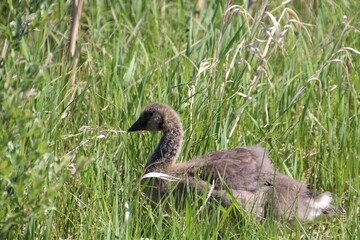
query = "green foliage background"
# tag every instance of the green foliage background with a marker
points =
(287, 78)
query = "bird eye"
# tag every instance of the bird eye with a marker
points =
(147, 115)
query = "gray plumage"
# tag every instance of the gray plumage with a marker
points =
(246, 171)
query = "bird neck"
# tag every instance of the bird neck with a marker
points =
(167, 150)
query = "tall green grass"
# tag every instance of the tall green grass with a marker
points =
(286, 77)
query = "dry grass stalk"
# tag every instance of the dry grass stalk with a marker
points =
(199, 4)
(4, 50)
(76, 14)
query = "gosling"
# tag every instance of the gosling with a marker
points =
(246, 171)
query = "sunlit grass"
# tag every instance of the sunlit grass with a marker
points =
(286, 77)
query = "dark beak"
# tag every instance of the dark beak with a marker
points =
(137, 126)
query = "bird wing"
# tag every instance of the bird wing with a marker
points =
(243, 168)
(239, 168)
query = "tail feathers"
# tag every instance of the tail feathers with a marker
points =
(321, 205)
(322, 201)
